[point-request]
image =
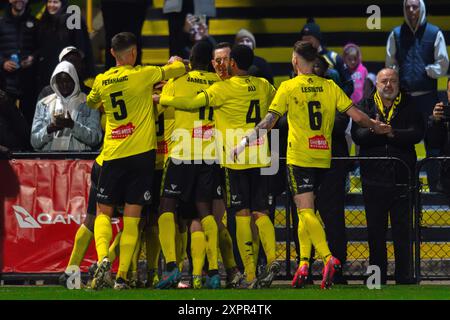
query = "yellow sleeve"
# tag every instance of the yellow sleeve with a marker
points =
(174, 70)
(343, 102)
(215, 94)
(94, 99)
(185, 103)
(279, 103)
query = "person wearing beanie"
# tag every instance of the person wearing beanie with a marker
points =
(311, 33)
(260, 67)
(353, 61)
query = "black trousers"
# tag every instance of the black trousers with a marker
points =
(381, 202)
(330, 203)
(123, 17)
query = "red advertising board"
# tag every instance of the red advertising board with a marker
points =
(44, 203)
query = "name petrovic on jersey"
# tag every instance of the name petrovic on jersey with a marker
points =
(114, 80)
(312, 89)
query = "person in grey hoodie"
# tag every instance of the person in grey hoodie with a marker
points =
(418, 51)
(63, 121)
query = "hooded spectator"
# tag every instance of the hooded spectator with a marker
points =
(55, 35)
(63, 121)
(260, 67)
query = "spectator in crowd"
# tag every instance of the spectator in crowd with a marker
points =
(331, 195)
(417, 49)
(179, 25)
(311, 33)
(18, 55)
(439, 138)
(75, 57)
(54, 35)
(385, 183)
(14, 129)
(196, 29)
(123, 16)
(353, 61)
(63, 121)
(369, 85)
(260, 67)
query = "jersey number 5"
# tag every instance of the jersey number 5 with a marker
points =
(122, 114)
(315, 116)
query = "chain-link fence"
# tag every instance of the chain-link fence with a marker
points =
(433, 219)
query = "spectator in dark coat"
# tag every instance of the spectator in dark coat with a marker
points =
(14, 129)
(260, 67)
(18, 37)
(54, 36)
(385, 183)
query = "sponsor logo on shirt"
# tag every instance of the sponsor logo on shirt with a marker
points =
(318, 143)
(123, 131)
(204, 132)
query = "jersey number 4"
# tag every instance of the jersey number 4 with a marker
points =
(315, 115)
(122, 114)
(254, 108)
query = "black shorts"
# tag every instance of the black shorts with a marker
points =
(302, 180)
(127, 179)
(189, 182)
(247, 189)
(219, 186)
(153, 207)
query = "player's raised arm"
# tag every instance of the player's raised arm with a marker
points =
(174, 68)
(183, 103)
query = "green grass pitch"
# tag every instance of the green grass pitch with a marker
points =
(279, 292)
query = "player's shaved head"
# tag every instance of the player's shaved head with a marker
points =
(201, 55)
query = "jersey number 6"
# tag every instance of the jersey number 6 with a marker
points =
(122, 114)
(315, 116)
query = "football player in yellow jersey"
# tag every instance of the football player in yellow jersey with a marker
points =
(239, 103)
(311, 103)
(220, 63)
(191, 174)
(129, 147)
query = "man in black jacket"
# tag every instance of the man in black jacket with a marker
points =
(18, 50)
(385, 183)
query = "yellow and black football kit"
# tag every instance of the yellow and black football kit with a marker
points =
(125, 92)
(191, 172)
(311, 103)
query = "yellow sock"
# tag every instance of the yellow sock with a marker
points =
(166, 223)
(255, 241)
(153, 247)
(136, 254)
(82, 241)
(267, 236)
(198, 252)
(210, 228)
(114, 248)
(178, 246)
(244, 242)
(226, 249)
(102, 235)
(316, 232)
(128, 241)
(304, 240)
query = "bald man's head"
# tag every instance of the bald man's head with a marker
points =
(388, 83)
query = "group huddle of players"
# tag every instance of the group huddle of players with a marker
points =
(177, 158)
